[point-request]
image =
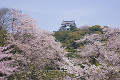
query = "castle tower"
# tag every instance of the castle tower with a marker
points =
(66, 25)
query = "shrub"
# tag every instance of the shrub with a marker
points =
(95, 28)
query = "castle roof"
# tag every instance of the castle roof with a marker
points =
(68, 22)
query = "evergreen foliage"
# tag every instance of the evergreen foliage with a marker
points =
(95, 28)
(3, 35)
(68, 38)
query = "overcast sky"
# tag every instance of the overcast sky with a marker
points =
(49, 14)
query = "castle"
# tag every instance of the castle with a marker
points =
(66, 25)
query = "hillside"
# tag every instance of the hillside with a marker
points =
(94, 51)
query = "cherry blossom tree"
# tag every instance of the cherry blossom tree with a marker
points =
(37, 47)
(31, 46)
(101, 60)
(84, 27)
(6, 64)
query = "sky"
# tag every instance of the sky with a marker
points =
(49, 14)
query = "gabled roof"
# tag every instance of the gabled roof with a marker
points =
(68, 22)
